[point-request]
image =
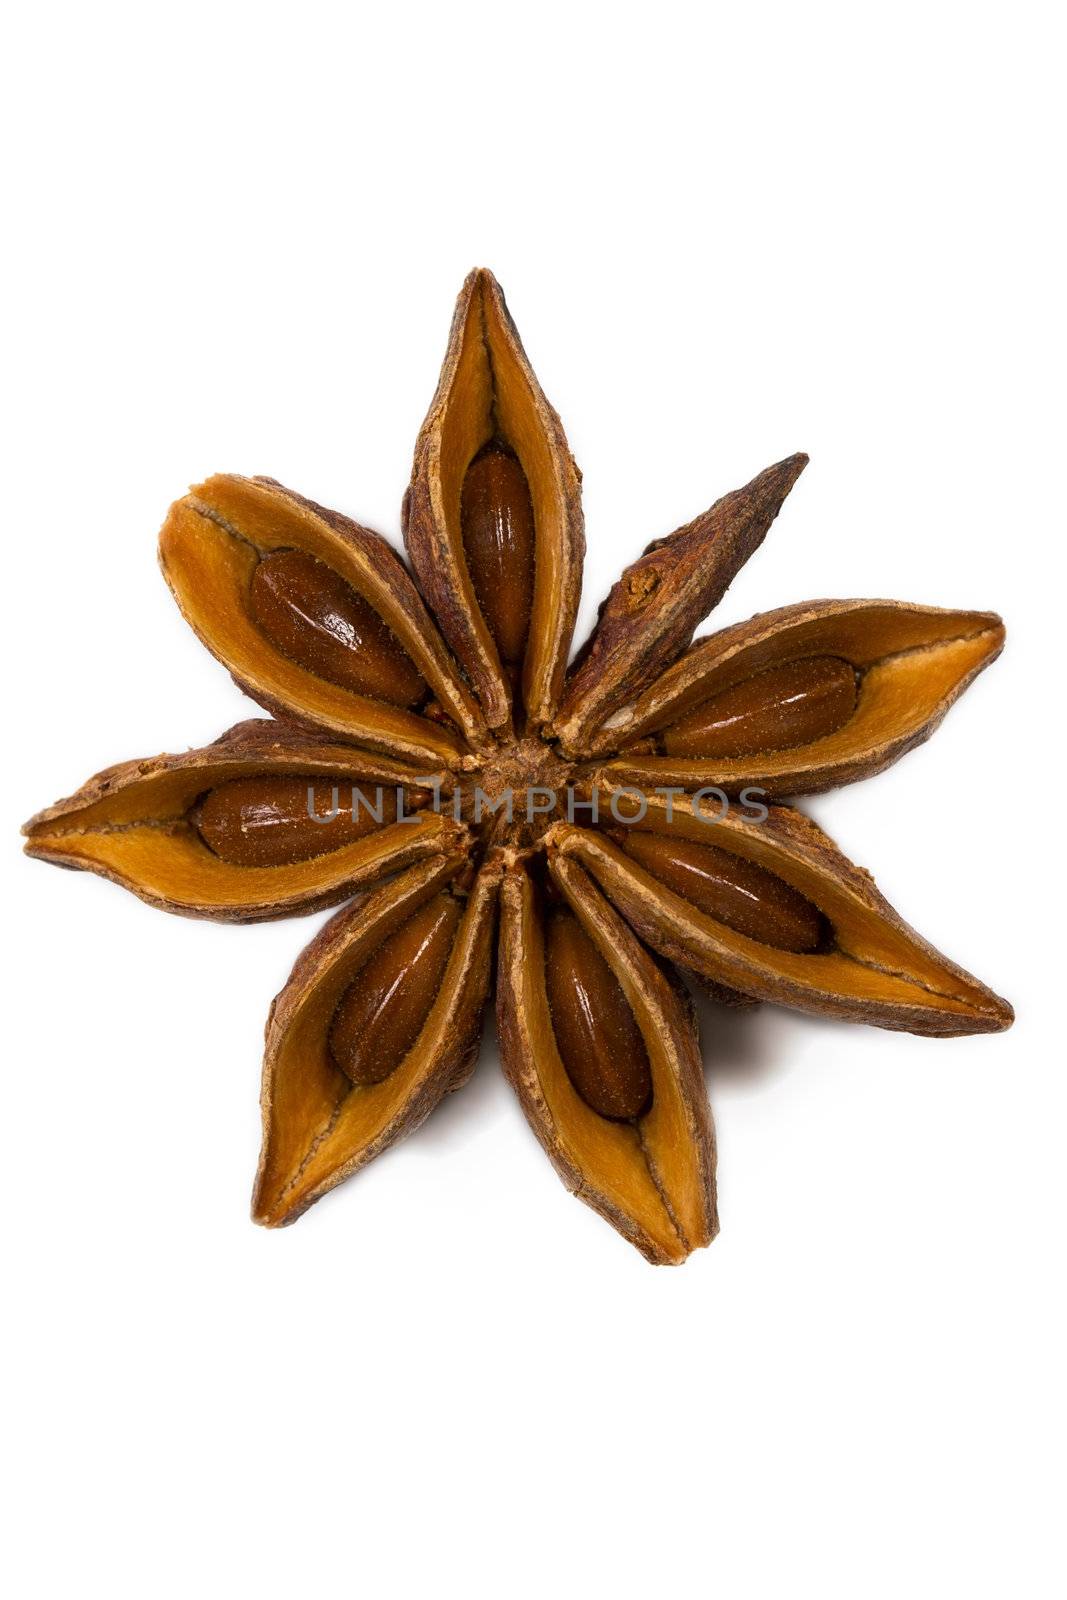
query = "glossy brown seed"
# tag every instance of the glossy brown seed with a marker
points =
(382, 1012)
(497, 524)
(731, 889)
(314, 617)
(778, 709)
(599, 1041)
(267, 822)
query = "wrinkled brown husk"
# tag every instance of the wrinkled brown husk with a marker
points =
(913, 663)
(652, 1179)
(651, 613)
(879, 971)
(318, 1129)
(130, 824)
(488, 389)
(209, 548)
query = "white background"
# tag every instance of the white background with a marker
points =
(726, 233)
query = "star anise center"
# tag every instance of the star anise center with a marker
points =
(520, 790)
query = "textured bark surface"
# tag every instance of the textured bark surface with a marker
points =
(650, 615)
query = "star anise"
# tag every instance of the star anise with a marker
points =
(454, 778)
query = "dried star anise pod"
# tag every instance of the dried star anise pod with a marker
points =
(472, 799)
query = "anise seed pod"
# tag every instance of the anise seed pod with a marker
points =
(487, 393)
(652, 1177)
(140, 824)
(872, 967)
(318, 1126)
(911, 664)
(211, 547)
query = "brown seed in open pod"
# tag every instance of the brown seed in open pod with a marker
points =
(730, 889)
(651, 613)
(651, 1176)
(803, 699)
(490, 457)
(320, 1126)
(224, 832)
(316, 618)
(871, 967)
